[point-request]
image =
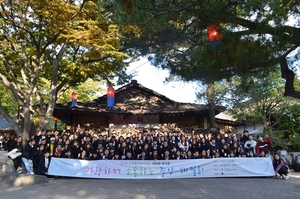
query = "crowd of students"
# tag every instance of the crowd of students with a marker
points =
(137, 144)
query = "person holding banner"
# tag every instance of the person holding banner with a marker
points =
(129, 156)
(154, 155)
(142, 156)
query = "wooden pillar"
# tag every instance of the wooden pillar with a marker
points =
(205, 123)
(106, 120)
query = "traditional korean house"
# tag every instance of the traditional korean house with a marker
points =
(136, 106)
(227, 123)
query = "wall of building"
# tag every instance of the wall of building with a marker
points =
(88, 120)
(184, 120)
(252, 127)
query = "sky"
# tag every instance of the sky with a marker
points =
(153, 78)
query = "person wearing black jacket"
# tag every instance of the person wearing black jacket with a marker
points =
(17, 148)
(164, 147)
(27, 156)
(11, 142)
(244, 138)
(42, 168)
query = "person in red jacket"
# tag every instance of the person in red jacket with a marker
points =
(263, 145)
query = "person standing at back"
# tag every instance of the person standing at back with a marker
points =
(244, 138)
(263, 145)
(250, 144)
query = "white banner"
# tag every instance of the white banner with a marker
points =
(162, 169)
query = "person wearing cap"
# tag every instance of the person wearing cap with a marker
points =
(58, 150)
(52, 146)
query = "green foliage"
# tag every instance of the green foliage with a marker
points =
(255, 37)
(279, 142)
(290, 125)
(8, 101)
(217, 91)
(87, 91)
(294, 143)
(282, 140)
(60, 125)
(260, 98)
(49, 46)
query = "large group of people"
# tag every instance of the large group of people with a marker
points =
(137, 144)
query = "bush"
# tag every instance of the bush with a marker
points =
(282, 141)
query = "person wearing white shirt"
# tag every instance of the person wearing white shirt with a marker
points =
(250, 144)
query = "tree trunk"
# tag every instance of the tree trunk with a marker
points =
(211, 105)
(10, 120)
(212, 113)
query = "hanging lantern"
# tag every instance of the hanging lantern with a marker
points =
(55, 123)
(74, 99)
(214, 34)
(110, 97)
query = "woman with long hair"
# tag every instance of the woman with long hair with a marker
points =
(183, 144)
(15, 154)
(280, 167)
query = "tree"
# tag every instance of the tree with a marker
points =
(215, 93)
(260, 99)
(86, 91)
(8, 101)
(64, 42)
(255, 37)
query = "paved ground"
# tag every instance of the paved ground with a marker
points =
(202, 188)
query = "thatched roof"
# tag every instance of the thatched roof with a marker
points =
(134, 98)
